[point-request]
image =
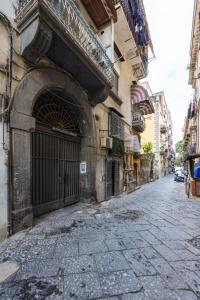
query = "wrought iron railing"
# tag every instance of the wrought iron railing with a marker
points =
(138, 122)
(67, 13)
(163, 128)
(115, 126)
(126, 8)
(163, 151)
(115, 2)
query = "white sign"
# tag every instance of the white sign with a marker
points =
(83, 167)
(136, 144)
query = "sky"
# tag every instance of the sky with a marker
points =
(170, 25)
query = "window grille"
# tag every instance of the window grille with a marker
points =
(116, 126)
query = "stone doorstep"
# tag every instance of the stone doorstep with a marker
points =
(8, 270)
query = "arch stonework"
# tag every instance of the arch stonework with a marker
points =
(22, 124)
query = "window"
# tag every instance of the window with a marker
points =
(116, 125)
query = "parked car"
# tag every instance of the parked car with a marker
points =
(179, 176)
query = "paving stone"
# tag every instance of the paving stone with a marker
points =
(135, 296)
(120, 282)
(50, 241)
(173, 280)
(162, 223)
(138, 228)
(110, 298)
(139, 263)
(14, 255)
(156, 288)
(192, 249)
(111, 261)
(166, 253)
(186, 295)
(185, 254)
(175, 245)
(115, 244)
(150, 253)
(41, 252)
(150, 238)
(82, 286)
(66, 250)
(81, 264)
(184, 266)
(89, 247)
(27, 244)
(131, 243)
(33, 288)
(193, 280)
(43, 268)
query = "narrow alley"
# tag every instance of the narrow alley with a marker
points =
(145, 245)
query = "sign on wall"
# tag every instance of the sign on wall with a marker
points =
(136, 144)
(83, 167)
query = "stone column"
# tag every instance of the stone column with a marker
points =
(22, 214)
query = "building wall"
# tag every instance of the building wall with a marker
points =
(126, 77)
(22, 124)
(19, 69)
(153, 134)
(149, 134)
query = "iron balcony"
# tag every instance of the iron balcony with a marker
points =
(57, 29)
(140, 56)
(138, 122)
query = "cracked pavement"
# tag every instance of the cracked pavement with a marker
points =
(145, 245)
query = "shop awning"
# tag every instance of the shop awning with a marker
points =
(141, 100)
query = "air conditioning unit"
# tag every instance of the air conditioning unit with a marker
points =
(106, 142)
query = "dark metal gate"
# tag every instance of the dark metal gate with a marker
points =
(112, 178)
(55, 171)
(109, 192)
(116, 178)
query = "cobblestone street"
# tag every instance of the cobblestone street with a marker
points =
(145, 245)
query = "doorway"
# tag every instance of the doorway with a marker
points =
(112, 178)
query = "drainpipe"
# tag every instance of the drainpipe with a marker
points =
(6, 105)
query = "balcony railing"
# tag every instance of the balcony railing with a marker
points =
(115, 2)
(136, 34)
(115, 126)
(138, 122)
(67, 13)
(163, 129)
(163, 151)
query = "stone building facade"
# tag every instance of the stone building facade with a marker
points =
(66, 70)
(159, 132)
(191, 136)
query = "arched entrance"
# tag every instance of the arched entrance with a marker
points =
(55, 153)
(49, 107)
